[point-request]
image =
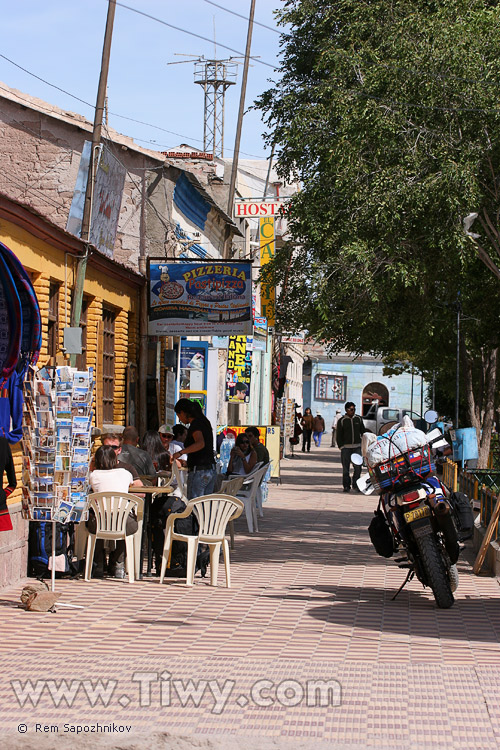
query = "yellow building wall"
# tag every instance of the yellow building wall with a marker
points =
(49, 264)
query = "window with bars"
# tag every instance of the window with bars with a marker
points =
(108, 363)
(331, 387)
(81, 359)
(53, 320)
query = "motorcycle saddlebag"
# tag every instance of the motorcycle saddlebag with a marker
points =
(380, 535)
(462, 514)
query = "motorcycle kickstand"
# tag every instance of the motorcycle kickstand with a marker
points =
(408, 578)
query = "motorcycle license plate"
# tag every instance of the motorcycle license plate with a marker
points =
(414, 515)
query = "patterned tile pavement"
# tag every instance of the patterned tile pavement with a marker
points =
(310, 601)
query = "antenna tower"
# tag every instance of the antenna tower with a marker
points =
(215, 76)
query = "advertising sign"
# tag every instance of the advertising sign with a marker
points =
(192, 366)
(239, 369)
(108, 190)
(255, 209)
(201, 299)
(267, 292)
(260, 334)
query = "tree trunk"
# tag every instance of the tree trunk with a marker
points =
(481, 406)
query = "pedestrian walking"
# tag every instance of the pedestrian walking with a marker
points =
(318, 429)
(307, 428)
(336, 418)
(349, 429)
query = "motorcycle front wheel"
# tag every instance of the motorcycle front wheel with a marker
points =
(435, 570)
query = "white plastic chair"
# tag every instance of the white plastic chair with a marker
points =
(232, 487)
(213, 513)
(259, 492)
(248, 493)
(180, 476)
(112, 511)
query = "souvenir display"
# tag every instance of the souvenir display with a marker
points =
(56, 443)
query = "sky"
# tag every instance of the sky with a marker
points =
(61, 41)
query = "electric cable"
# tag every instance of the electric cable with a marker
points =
(192, 33)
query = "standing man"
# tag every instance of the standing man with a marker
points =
(350, 427)
(318, 429)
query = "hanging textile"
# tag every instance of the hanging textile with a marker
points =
(31, 331)
(10, 323)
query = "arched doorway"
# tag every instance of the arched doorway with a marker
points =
(374, 392)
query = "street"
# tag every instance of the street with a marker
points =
(306, 647)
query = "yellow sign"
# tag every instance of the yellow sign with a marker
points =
(267, 292)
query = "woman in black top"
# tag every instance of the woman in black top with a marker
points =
(199, 448)
(7, 465)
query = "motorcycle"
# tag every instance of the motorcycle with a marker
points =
(415, 517)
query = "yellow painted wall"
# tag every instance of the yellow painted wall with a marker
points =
(48, 264)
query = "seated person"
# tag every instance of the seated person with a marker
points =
(139, 458)
(243, 457)
(260, 449)
(109, 476)
(154, 446)
(114, 441)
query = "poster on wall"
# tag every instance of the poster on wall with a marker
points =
(192, 366)
(196, 298)
(239, 369)
(108, 191)
(260, 334)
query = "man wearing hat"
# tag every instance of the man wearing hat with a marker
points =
(173, 437)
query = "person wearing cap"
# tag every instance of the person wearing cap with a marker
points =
(166, 434)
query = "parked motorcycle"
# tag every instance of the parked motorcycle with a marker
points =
(414, 517)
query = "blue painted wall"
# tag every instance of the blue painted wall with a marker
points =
(359, 375)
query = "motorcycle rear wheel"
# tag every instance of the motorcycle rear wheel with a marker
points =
(435, 570)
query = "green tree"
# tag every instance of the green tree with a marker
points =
(388, 113)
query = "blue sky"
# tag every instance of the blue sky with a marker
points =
(61, 42)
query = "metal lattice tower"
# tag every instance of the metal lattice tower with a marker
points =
(215, 76)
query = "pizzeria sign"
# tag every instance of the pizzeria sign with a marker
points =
(199, 298)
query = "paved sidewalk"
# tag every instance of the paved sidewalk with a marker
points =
(310, 600)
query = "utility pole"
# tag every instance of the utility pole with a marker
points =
(457, 391)
(232, 185)
(81, 268)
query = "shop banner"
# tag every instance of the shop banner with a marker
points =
(190, 298)
(239, 369)
(267, 291)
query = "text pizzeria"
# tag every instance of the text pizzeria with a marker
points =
(211, 270)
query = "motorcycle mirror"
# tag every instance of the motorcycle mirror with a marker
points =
(357, 459)
(431, 416)
(365, 484)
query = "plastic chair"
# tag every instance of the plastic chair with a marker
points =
(248, 493)
(180, 476)
(213, 513)
(259, 491)
(112, 511)
(231, 487)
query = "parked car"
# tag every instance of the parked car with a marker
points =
(379, 419)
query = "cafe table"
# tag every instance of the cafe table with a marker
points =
(146, 540)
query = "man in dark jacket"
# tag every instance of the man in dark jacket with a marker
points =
(350, 427)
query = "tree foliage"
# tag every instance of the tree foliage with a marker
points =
(388, 114)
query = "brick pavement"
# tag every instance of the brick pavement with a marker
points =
(309, 600)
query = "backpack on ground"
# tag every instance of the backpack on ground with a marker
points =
(40, 549)
(188, 526)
